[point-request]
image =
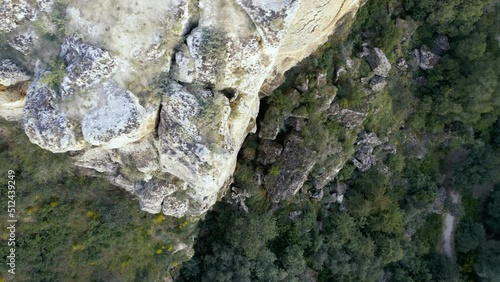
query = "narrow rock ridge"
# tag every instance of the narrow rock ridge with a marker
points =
(155, 96)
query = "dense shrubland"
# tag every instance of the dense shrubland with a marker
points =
(76, 228)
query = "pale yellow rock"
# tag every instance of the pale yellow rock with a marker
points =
(161, 123)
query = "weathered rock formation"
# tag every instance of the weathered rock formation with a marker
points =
(156, 96)
(379, 62)
(290, 171)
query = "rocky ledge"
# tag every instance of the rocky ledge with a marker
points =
(156, 96)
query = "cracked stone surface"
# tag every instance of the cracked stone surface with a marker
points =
(155, 96)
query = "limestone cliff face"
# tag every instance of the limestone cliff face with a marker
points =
(156, 96)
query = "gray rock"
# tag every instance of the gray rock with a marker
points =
(302, 83)
(348, 118)
(271, 125)
(364, 158)
(378, 83)
(45, 124)
(123, 182)
(351, 119)
(296, 123)
(265, 16)
(326, 96)
(333, 162)
(408, 27)
(379, 62)
(401, 64)
(87, 65)
(426, 59)
(175, 207)
(141, 156)
(99, 160)
(152, 195)
(11, 74)
(365, 47)
(441, 44)
(293, 216)
(12, 100)
(317, 194)
(341, 188)
(238, 197)
(340, 200)
(119, 121)
(322, 79)
(294, 165)
(13, 13)
(269, 151)
(184, 68)
(390, 149)
(366, 138)
(341, 71)
(24, 42)
(198, 136)
(332, 199)
(195, 142)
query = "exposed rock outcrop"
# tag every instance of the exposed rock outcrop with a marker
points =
(379, 62)
(269, 151)
(87, 65)
(14, 12)
(377, 83)
(425, 58)
(45, 123)
(291, 170)
(364, 157)
(158, 96)
(120, 120)
(11, 74)
(13, 87)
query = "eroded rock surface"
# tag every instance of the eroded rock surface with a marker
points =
(158, 96)
(290, 171)
(11, 74)
(379, 62)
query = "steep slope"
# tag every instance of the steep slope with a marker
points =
(156, 96)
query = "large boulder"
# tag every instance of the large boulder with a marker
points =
(269, 151)
(364, 158)
(378, 83)
(120, 120)
(14, 12)
(379, 62)
(290, 171)
(425, 58)
(87, 65)
(45, 123)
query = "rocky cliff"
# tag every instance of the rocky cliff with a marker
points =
(156, 96)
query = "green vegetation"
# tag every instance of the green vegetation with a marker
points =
(446, 131)
(74, 228)
(444, 123)
(55, 76)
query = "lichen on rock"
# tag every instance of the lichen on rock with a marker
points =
(45, 124)
(159, 93)
(11, 74)
(119, 121)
